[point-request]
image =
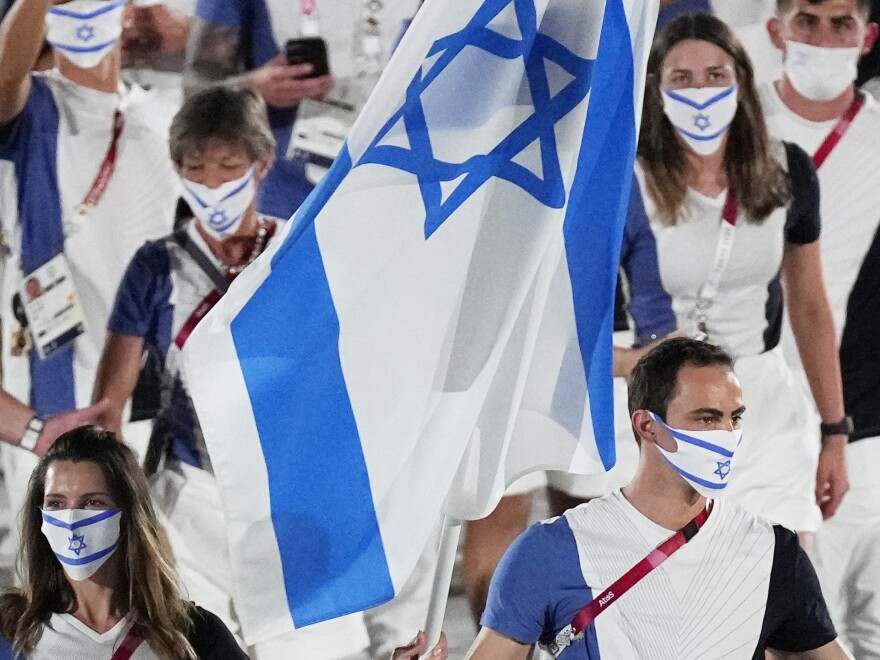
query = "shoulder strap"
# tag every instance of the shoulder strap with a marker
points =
(181, 237)
(129, 645)
(626, 582)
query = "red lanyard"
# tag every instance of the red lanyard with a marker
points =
(200, 312)
(632, 577)
(102, 180)
(129, 645)
(838, 131)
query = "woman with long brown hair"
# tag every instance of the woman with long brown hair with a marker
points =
(98, 580)
(723, 219)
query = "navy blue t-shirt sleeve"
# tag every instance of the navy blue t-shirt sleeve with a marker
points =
(804, 624)
(803, 223)
(143, 292)
(5, 650)
(211, 639)
(39, 114)
(538, 586)
(224, 12)
(650, 305)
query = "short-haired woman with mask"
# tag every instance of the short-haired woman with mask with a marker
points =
(721, 218)
(98, 580)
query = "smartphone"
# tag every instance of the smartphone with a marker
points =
(309, 50)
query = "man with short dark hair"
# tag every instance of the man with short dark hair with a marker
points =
(817, 106)
(728, 584)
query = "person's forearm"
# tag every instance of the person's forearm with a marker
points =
(813, 328)
(117, 377)
(21, 38)
(15, 417)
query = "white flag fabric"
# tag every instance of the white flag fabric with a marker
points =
(436, 319)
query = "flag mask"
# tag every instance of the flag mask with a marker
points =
(703, 457)
(820, 73)
(82, 539)
(84, 31)
(220, 210)
(702, 116)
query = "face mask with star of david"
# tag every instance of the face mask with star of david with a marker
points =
(220, 210)
(84, 31)
(701, 115)
(703, 458)
(82, 539)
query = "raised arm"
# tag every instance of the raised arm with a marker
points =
(813, 326)
(21, 38)
(117, 376)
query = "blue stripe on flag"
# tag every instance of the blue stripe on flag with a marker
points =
(596, 213)
(322, 508)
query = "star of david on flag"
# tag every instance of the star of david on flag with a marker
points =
(533, 51)
(436, 319)
(702, 121)
(723, 469)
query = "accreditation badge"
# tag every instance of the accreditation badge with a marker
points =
(321, 127)
(54, 314)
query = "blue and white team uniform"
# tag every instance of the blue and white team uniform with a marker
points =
(56, 147)
(846, 548)
(666, 266)
(741, 585)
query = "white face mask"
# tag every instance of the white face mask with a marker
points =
(701, 115)
(703, 458)
(220, 210)
(84, 31)
(82, 539)
(818, 73)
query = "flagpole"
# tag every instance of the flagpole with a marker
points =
(449, 536)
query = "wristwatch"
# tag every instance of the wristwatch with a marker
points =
(29, 439)
(843, 427)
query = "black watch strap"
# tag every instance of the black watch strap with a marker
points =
(843, 427)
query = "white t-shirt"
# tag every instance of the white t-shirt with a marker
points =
(57, 146)
(667, 265)
(68, 638)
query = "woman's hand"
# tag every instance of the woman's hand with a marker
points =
(415, 648)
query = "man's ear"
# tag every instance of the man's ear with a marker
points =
(644, 426)
(870, 37)
(774, 29)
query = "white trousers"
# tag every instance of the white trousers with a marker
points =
(847, 554)
(189, 502)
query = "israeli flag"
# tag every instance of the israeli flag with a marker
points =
(436, 319)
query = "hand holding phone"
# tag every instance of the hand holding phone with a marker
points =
(309, 50)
